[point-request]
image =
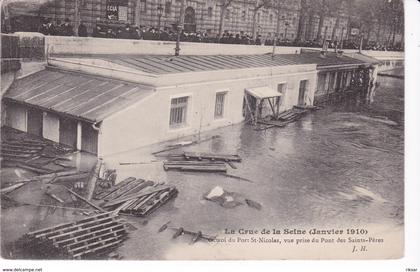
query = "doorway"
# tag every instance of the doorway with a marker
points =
(68, 132)
(302, 92)
(189, 20)
(35, 121)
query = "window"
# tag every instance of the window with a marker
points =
(210, 12)
(168, 6)
(281, 88)
(219, 105)
(244, 15)
(143, 6)
(322, 80)
(271, 18)
(227, 15)
(178, 116)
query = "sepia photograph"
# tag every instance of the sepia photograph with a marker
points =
(202, 130)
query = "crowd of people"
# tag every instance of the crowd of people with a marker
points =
(170, 34)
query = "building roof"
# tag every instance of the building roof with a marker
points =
(159, 64)
(86, 97)
(263, 92)
(163, 64)
(329, 60)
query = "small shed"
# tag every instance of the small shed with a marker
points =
(256, 100)
(68, 107)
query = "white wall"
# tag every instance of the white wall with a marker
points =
(89, 45)
(16, 117)
(147, 122)
(51, 127)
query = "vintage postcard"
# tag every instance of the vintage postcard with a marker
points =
(202, 130)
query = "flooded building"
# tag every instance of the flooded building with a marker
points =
(108, 105)
(339, 73)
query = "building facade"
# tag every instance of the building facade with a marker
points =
(200, 15)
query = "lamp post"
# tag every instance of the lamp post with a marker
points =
(159, 13)
(179, 27)
(361, 42)
(285, 30)
(342, 39)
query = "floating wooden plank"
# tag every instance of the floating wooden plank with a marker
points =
(85, 200)
(63, 225)
(74, 227)
(202, 162)
(273, 123)
(137, 195)
(12, 188)
(170, 148)
(122, 190)
(196, 168)
(211, 156)
(38, 169)
(72, 177)
(111, 190)
(53, 196)
(76, 232)
(72, 240)
(79, 239)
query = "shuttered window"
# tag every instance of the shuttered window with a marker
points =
(219, 105)
(178, 114)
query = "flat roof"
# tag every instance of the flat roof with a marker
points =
(163, 64)
(86, 97)
(329, 59)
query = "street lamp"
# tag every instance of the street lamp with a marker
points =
(159, 13)
(285, 30)
(179, 27)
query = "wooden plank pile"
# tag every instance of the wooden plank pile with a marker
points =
(201, 162)
(136, 197)
(284, 118)
(89, 238)
(31, 155)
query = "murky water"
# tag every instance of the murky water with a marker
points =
(337, 167)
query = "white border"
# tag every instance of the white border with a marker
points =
(412, 207)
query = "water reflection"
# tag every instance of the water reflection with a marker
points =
(332, 168)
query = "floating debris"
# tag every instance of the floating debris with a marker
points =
(136, 197)
(88, 238)
(179, 231)
(228, 199)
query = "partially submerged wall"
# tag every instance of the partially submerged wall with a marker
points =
(147, 122)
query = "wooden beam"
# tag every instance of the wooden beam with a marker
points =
(85, 200)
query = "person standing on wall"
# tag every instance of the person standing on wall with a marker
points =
(67, 28)
(82, 30)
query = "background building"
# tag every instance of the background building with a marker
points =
(379, 21)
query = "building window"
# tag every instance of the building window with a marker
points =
(219, 107)
(143, 6)
(178, 116)
(281, 88)
(271, 18)
(227, 16)
(244, 15)
(168, 6)
(210, 12)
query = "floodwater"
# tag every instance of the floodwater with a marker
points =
(338, 167)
